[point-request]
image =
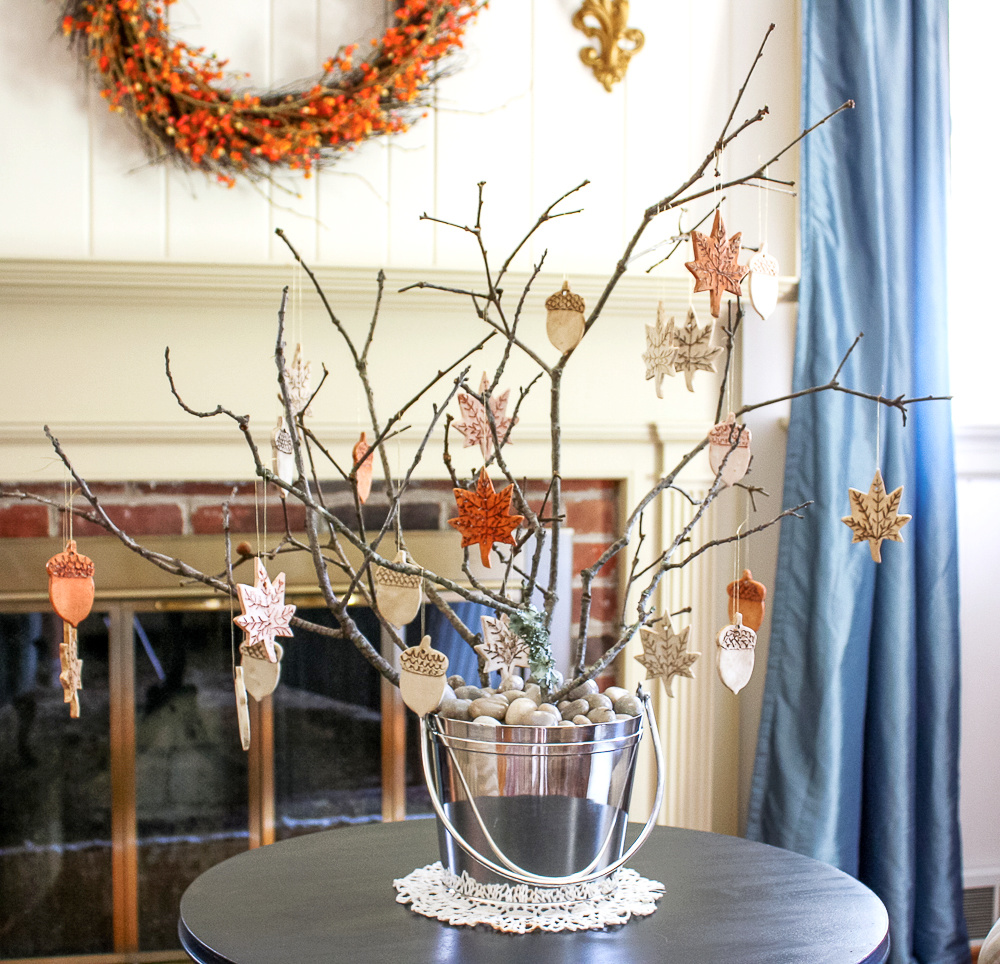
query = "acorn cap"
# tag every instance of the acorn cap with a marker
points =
(749, 589)
(70, 564)
(422, 660)
(564, 300)
(725, 434)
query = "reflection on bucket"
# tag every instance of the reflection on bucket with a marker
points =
(548, 803)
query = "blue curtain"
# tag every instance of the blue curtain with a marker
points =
(857, 759)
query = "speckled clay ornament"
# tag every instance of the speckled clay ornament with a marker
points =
(71, 593)
(501, 647)
(665, 653)
(660, 348)
(762, 283)
(422, 677)
(260, 675)
(484, 516)
(875, 516)
(264, 614)
(565, 322)
(475, 425)
(746, 597)
(398, 594)
(297, 378)
(282, 454)
(242, 707)
(693, 349)
(720, 445)
(734, 654)
(716, 266)
(364, 473)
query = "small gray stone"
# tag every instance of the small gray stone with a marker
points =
(534, 692)
(455, 709)
(511, 683)
(456, 681)
(597, 701)
(518, 710)
(601, 715)
(581, 720)
(468, 692)
(540, 718)
(628, 704)
(586, 687)
(575, 708)
(486, 721)
(491, 706)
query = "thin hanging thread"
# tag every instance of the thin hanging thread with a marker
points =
(878, 431)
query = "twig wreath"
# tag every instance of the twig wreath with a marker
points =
(185, 114)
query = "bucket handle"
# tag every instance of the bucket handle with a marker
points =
(511, 870)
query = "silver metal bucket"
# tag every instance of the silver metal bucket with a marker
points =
(539, 805)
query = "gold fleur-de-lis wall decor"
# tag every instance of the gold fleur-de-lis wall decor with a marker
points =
(607, 21)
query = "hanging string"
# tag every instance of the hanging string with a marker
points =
(878, 431)
(399, 500)
(256, 512)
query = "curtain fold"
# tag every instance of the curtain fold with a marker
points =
(857, 758)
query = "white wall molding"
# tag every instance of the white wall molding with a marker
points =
(977, 451)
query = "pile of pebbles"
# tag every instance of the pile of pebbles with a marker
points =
(517, 703)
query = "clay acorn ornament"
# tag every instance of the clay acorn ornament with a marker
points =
(398, 594)
(721, 441)
(564, 322)
(242, 707)
(746, 597)
(71, 593)
(422, 677)
(734, 654)
(260, 675)
(282, 454)
(762, 283)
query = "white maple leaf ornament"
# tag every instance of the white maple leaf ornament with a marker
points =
(875, 516)
(501, 647)
(693, 349)
(660, 349)
(476, 427)
(297, 379)
(264, 614)
(664, 653)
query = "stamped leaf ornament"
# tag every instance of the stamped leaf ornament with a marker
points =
(264, 614)
(501, 647)
(484, 516)
(475, 428)
(746, 597)
(716, 266)
(71, 593)
(260, 675)
(282, 454)
(422, 678)
(729, 450)
(564, 323)
(762, 283)
(363, 473)
(735, 654)
(297, 379)
(660, 348)
(875, 517)
(664, 653)
(398, 594)
(693, 349)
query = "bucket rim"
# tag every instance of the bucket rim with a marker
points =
(508, 734)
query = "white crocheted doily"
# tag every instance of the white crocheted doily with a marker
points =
(435, 892)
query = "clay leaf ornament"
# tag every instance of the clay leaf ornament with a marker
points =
(660, 349)
(693, 349)
(297, 379)
(762, 283)
(875, 517)
(475, 428)
(501, 647)
(260, 675)
(664, 653)
(264, 614)
(282, 454)
(242, 707)
(422, 678)
(729, 450)
(716, 266)
(398, 594)
(484, 516)
(71, 593)
(363, 472)
(746, 597)
(564, 322)
(734, 654)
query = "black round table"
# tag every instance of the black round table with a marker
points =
(328, 897)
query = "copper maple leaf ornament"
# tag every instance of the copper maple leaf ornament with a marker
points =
(484, 516)
(476, 427)
(875, 517)
(664, 653)
(265, 614)
(716, 266)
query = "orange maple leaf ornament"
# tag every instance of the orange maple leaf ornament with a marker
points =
(484, 516)
(716, 266)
